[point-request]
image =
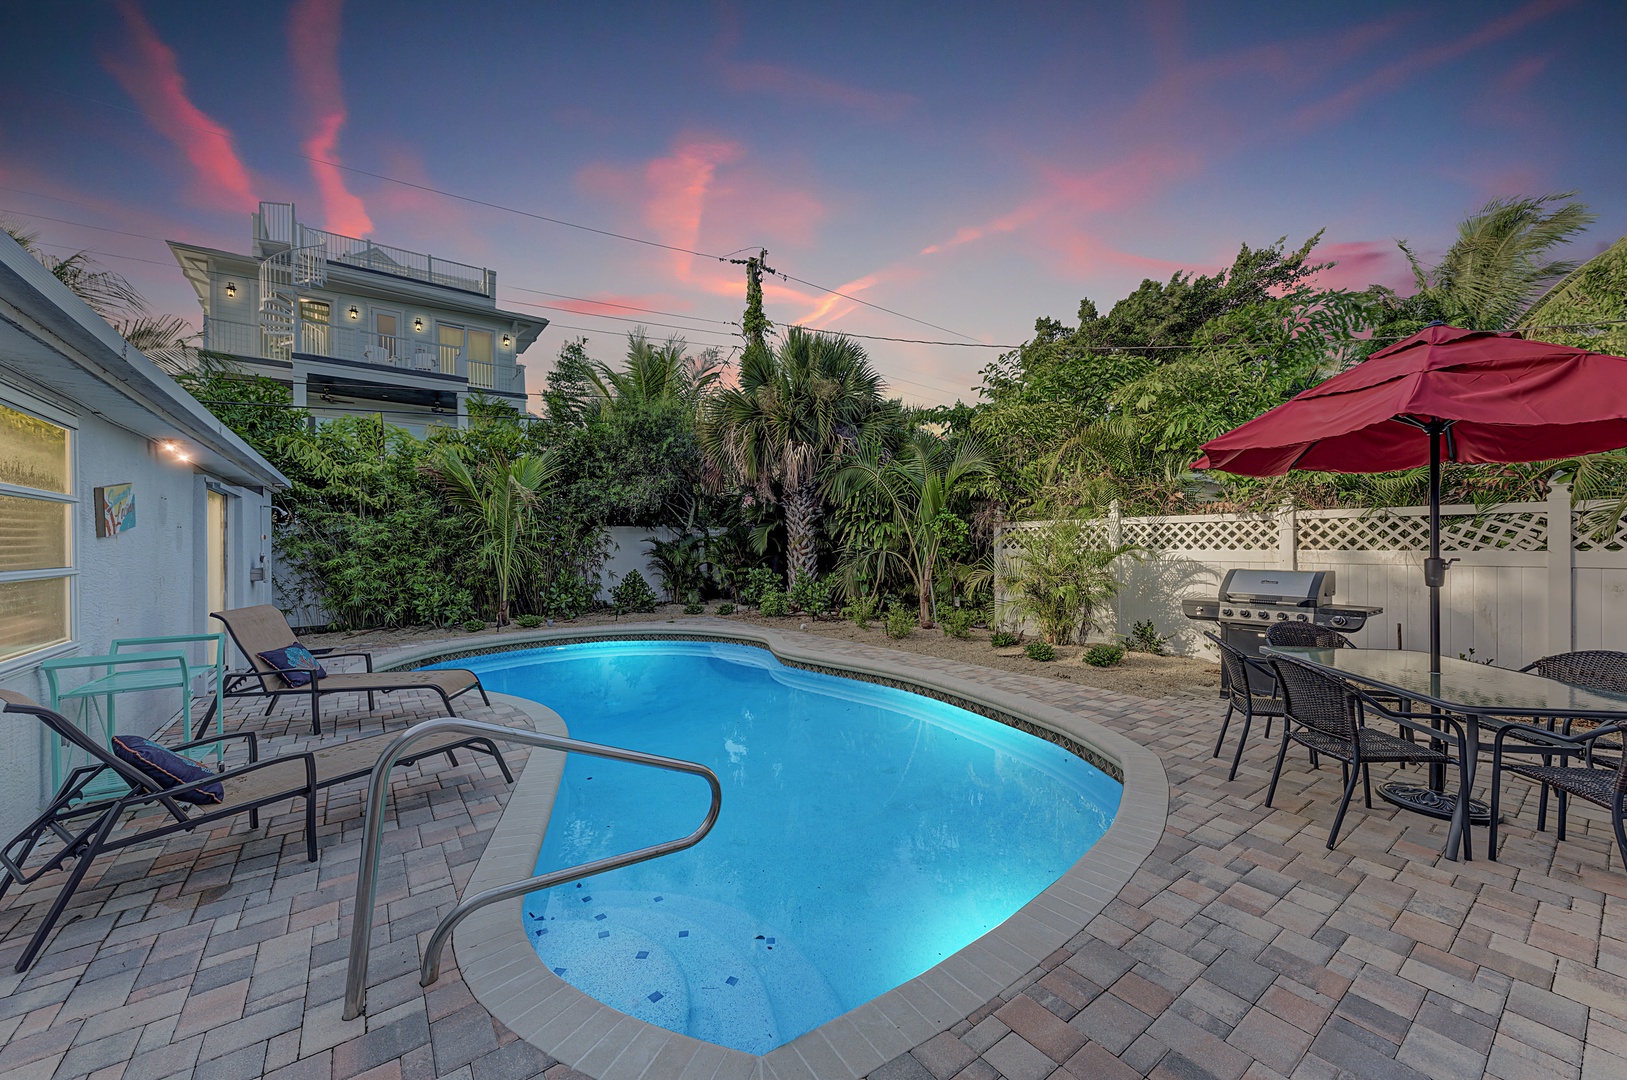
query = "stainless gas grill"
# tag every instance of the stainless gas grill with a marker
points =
(1250, 601)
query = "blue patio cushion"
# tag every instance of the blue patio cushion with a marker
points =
(168, 769)
(295, 661)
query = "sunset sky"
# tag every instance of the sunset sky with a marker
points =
(970, 167)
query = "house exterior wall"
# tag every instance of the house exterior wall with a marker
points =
(148, 581)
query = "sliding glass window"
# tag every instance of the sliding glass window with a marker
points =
(36, 533)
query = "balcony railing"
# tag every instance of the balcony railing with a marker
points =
(277, 224)
(365, 347)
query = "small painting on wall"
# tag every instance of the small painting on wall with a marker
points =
(115, 509)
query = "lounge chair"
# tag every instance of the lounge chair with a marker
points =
(264, 629)
(88, 827)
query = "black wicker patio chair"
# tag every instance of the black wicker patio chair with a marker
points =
(1595, 669)
(1241, 696)
(1297, 635)
(1329, 717)
(1600, 786)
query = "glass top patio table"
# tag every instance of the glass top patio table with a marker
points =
(1489, 696)
(1462, 686)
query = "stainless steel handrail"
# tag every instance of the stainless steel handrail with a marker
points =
(378, 787)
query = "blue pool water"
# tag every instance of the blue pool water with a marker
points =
(866, 834)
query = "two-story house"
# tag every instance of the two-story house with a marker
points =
(356, 326)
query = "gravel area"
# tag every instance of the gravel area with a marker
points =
(1139, 673)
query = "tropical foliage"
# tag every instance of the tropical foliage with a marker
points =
(798, 409)
(918, 485)
(794, 482)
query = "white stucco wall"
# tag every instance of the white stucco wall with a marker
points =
(149, 581)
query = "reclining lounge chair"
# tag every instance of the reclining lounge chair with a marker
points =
(264, 629)
(89, 826)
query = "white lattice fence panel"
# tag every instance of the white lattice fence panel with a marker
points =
(1592, 530)
(1525, 530)
(1204, 533)
(1092, 534)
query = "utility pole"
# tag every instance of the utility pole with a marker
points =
(755, 324)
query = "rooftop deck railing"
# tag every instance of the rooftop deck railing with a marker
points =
(276, 223)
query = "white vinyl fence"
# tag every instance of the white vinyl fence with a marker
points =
(1531, 579)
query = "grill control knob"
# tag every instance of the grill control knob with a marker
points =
(1338, 620)
(1226, 611)
(1265, 614)
(1302, 617)
(1282, 616)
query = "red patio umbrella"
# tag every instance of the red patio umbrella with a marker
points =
(1487, 397)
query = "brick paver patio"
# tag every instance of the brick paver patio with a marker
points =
(1242, 948)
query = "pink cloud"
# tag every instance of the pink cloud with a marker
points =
(313, 40)
(800, 86)
(148, 71)
(1059, 215)
(704, 195)
(1360, 263)
(1389, 77)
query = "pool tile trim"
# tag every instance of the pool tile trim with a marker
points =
(503, 971)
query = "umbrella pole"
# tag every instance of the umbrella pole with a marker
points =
(1434, 571)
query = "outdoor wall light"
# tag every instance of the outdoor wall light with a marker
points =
(355, 313)
(169, 446)
(507, 341)
(418, 325)
(231, 289)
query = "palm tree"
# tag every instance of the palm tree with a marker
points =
(498, 495)
(798, 409)
(166, 339)
(917, 485)
(651, 374)
(1498, 265)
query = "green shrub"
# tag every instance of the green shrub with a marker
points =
(568, 595)
(1144, 637)
(1003, 639)
(1060, 581)
(900, 621)
(724, 609)
(632, 593)
(528, 622)
(474, 625)
(774, 602)
(694, 609)
(861, 609)
(1104, 655)
(1040, 650)
(755, 582)
(957, 622)
(812, 595)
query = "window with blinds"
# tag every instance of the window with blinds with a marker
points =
(36, 533)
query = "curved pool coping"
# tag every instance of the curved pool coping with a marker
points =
(504, 973)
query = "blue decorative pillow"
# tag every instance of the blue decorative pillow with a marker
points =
(294, 662)
(168, 769)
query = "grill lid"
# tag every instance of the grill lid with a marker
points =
(1304, 588)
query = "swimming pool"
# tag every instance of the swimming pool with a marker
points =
(867, 834)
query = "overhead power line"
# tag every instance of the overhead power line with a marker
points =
(624, 307)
